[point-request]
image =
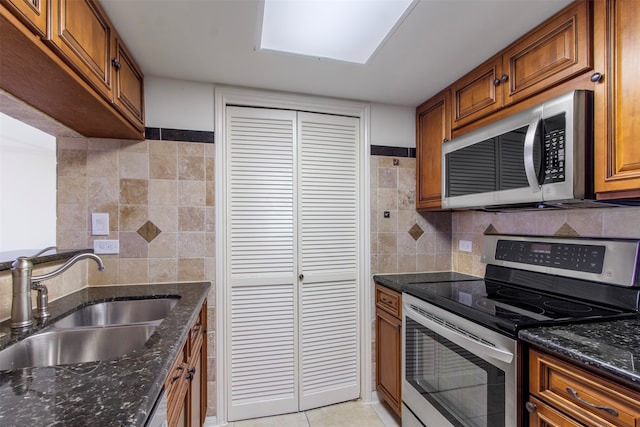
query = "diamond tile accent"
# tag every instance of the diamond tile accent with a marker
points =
(416, 232)
(567, 230)
(491, 230)
(149, 231)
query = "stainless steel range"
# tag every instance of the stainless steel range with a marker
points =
(459, 342)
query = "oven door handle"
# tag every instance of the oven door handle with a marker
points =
(465, 341)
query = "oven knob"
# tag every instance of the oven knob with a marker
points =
(531, 407)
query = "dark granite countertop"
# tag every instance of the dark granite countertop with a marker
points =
(397, 281)
(118, 392)
(7, 258)
(612, 348)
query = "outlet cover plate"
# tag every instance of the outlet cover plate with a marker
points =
(106, 246)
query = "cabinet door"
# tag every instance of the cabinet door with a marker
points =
(617, 116)
(433, 127)
(554, 52)
(388, 359)
(128, 95)
(32, 12)
(81, 34)
(477, 94)
(195, 384)
(542, 415)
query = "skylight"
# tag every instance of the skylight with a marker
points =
(344, 30)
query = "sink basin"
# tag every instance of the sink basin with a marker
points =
(61, 347)
(119, 313)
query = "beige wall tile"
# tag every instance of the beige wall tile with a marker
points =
(100, 144)
(163, 147)
(191, 245)
(163, 192)
(133, 270)
(210, 197)
(134, 165)
(162, 166)
(209, 169)
(102, 163)
(102, 191)
(72, 216)
(191, 168)
(388, 177)
(72, 189)
(190, 269)
(134, 191)
(128, 146)
(108, 276)
(72, 162)
(191, 193)
(132, 245)
(191, 149)
(191, 219)
(132, 217)
(164, 246)
(622, 222)
(164, 217)
(163, 270)
(387, 199)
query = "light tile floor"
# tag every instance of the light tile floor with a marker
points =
(348, 414)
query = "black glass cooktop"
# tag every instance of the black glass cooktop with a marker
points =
(508, 308)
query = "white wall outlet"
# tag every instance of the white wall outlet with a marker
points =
(99, 224)
(465, 245)
(106, 246)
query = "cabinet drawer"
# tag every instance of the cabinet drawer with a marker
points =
(588, 398)
(389, 301)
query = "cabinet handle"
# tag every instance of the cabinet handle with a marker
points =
(190, 373)
(531, 407)
(177, 377)
(496, 82)
(197, 327)
(386, 301)
(116, 64)
(608, 409)
(596, 77)
(504, 78)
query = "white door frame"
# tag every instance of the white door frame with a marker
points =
(225, 95)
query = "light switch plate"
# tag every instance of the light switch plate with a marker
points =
(99, 224)
(106, 246)
(465, 245)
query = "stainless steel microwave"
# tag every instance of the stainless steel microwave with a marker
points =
(536, 158)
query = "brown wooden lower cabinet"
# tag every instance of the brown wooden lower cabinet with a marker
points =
(562, 394)
(186, 384)
(389, 347)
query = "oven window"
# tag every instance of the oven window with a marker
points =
(464, 388)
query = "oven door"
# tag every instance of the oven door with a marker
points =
(455, 372)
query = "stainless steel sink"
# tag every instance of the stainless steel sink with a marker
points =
(119, 313)
(60, 347)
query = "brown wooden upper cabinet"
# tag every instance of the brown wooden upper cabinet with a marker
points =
(33, 13)
(553, 52)
(128, 90)
(65, 58)
(82, 36)
(433, 128)
(617, 90)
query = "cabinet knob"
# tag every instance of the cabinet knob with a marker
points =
(531, 407)
(116, 64)
(596, 77)
(496, 82)
(301, 277)
(504, 78)
(445, 140)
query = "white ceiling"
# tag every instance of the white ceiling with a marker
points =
(215, 41)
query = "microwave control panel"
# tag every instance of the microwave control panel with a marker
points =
(554, 156)
(577, 257)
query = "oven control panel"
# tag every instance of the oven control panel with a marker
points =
(576, 257)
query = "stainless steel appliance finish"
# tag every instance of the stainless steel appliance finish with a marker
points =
(459, 340)
(539, 156)
(455, 372)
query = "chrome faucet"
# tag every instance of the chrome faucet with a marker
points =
(24, 283)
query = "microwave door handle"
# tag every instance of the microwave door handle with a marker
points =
(529, 166)
(466, 342)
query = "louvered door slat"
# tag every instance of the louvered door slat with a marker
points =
(261, 262)
(328, 206)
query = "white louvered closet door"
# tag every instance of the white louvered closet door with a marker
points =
(261, 272)
(328, 254)
(292, 246)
